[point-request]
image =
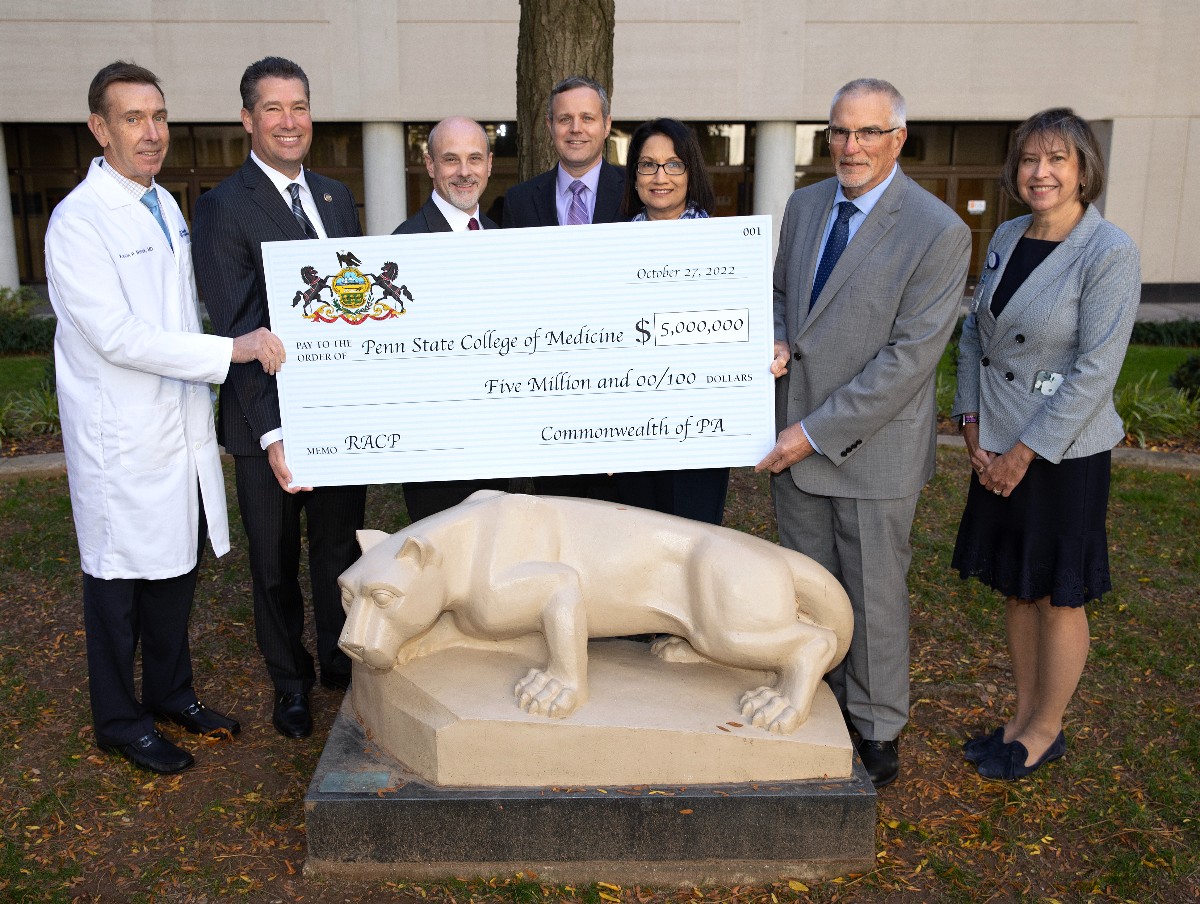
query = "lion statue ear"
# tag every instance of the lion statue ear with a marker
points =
(417, 549)
(369, 538)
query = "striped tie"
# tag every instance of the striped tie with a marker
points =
(298, 212)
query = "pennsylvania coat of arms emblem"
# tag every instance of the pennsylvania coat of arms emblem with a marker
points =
(354, 296)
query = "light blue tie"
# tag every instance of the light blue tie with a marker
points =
(150, 199)
(834, 246)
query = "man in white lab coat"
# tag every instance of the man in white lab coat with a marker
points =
(133, 367)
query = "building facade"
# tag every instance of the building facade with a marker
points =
(754, 77)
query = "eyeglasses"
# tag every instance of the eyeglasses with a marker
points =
(866, 137)
(650, 168)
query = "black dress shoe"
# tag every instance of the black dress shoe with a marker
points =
(335, 682)
(199, 719)
(881, 759)
(292, 717)
(153, 752)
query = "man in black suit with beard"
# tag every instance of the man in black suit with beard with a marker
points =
(583, 188)
(273, 198)
(458, 159)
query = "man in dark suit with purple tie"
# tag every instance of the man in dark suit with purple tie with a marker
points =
(273, 198)
(583, 188)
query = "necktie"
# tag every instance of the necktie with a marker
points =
(298, 212)
(473, 224)
(150, 199)
(577, 214)
(838, 236)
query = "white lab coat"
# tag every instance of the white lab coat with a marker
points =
(133, 368)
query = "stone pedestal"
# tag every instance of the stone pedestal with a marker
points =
(655, 780)
(451, 717)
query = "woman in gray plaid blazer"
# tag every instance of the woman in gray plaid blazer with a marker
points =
(1040, 353)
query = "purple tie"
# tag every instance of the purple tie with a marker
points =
(473, 224)
(577, 214)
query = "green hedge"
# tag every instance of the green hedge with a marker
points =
(1170, 332)
(26, 335)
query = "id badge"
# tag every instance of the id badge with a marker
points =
(1047, 382)
(993, 261)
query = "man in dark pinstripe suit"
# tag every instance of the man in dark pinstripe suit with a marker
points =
(273, 198)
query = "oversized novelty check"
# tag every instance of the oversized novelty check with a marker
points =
(517, 352)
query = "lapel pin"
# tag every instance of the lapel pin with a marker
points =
(993, 259)
(328, 197)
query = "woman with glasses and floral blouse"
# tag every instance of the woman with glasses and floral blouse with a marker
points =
(665, 179)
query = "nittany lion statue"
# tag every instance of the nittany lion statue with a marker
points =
(501, 566)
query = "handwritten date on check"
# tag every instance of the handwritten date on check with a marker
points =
(617, 347)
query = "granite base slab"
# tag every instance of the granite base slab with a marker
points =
(369, 817)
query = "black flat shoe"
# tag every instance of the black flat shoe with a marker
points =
(152, 752)
(881, 759)
(199, 719)
(292, 717)
(1009, 764)
(980, 747)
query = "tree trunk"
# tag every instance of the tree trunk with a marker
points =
(558, 39)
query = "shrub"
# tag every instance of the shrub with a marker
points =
(21, 332)
(6, 425)
(1187, 377)
(35, 411)
(1171, 332)
(946, 385)
(26, 335)
(17, 302)
(1156, 414)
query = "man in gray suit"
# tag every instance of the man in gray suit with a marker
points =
(870, 271)
(459, 161)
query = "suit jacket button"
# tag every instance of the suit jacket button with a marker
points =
(1020, 337)
(1009, 376)
(796, 355)
(986, 361)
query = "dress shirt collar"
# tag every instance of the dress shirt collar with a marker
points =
(562, 192)
(591, 179)
(457, 219)
(281, 183)
(136, 189)
(866, 202)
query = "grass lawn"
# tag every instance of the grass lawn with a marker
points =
(20, 373)
(1140, 362)
(1114, 821)
(1156, 362)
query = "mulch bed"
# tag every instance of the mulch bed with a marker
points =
(35, 444)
